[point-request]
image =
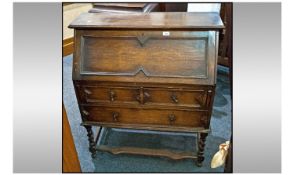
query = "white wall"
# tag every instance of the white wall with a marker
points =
(204, 7)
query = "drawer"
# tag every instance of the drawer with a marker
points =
(176, 97)
(173, 97)
(96, 94)
(177, 118)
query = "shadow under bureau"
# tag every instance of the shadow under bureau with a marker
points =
(152, 71)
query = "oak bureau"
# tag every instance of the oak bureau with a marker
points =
(153, 71)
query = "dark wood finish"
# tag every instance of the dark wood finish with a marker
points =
(133, 65)
(224, 61)
(124, 7)
(175, 155)
(177, 97)
(143, 71)
(148, 127)
(182, 118)
(70, 161)
(201, 145)
(116, 95)
(92, 145)
(174, 7)
(156, 20)
(225, 50)
(192, 45)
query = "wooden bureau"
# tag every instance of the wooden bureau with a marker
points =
(152, 71)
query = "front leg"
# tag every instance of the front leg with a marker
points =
(92, 145)
(201, 144)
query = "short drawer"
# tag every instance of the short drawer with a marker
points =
(161, 117)
(96, 94)
(176, 97)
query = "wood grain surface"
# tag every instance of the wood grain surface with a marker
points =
(155, 20)
(183, 57)
(121, 115)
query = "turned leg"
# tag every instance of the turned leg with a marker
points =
(92, 145)
(201, 144)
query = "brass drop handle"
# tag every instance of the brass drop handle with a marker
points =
(142, 96)
(146, 96)
(172, 118)
(115, 116)
(87, 91)
(112, 95)
(138, 98)
(174, 98)
(85, 113)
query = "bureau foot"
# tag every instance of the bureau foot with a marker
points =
(201, 145)
(92, 145)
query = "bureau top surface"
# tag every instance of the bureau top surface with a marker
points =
(154, 20)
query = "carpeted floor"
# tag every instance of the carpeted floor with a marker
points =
(106, 162)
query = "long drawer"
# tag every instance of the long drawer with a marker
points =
(196, 98)
(177, 118)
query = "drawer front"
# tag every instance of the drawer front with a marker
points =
(176, 97)
(145, 116)
(164, 97)
(94, 94)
